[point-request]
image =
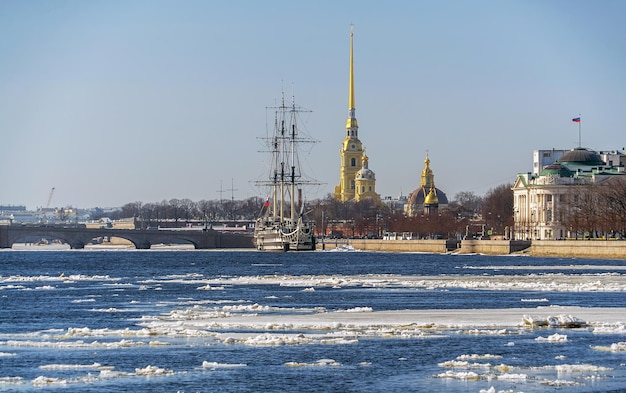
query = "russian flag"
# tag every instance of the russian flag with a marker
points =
(267, 202)
(576, 120)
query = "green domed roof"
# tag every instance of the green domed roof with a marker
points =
(556, 169)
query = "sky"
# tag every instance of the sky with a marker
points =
(112, 102)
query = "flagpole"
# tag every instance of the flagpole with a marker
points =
(579, 133)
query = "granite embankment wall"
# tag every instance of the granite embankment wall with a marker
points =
(430, 246)
(602, 249)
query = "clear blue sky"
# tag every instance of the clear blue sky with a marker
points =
(120, 101)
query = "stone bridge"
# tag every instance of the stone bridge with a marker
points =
(77, 236)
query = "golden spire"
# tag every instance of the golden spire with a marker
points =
(351, 123)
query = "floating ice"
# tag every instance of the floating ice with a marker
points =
(11, 381)
(216, 365)
(211, 288)
(358, 309)
(463, 375)
(513, 377)
(560, 382)
(153, 370)
(477, 356)
(542, 300)
(345, 248)
(319, 363)
(579, 368)
(43, 381)
(555, 338)
(615, 347)
(462, 364)
(70, 366)
(559, 321)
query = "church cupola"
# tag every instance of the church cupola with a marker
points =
(365, 182)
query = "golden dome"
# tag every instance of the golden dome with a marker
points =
(431, 198)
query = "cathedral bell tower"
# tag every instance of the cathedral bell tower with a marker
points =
(351, 152)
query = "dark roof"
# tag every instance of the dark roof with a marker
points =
(417, 197)
(581, 156)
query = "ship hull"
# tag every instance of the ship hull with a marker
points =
(278, 237)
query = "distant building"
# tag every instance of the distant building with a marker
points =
(426, 199)
(10, 214)
(395, 205)
(543, 158)
(542, 201)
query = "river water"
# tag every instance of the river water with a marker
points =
(231, 321)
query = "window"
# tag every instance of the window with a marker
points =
(549, 198)
(353, 161)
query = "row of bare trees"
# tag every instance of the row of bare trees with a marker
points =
(592, 211)
(597, 210)
(363, 218)
(184, 210)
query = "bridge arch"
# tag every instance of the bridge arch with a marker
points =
(78, 236)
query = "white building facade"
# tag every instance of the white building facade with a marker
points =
(542, 201)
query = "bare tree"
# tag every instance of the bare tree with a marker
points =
(497, 208)
(470, 203)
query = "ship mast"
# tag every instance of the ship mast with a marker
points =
(282, 154)
(292, 142)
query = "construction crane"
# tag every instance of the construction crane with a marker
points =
(50, 199)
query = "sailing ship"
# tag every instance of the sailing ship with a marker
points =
(281, 225)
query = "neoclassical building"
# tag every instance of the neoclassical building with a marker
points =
(356, 180)
(541, 202)
(427, 198)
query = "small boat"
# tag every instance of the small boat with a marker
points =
(281, 225)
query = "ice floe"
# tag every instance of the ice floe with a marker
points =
(45, 381)
(319, 363)
(70, 366)
(153, 370)
(555, 282)
(216, 365)
(463, 375)
(579, 368)
(558, 321)
(615, 347)
(8, 381)
(555, 338)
